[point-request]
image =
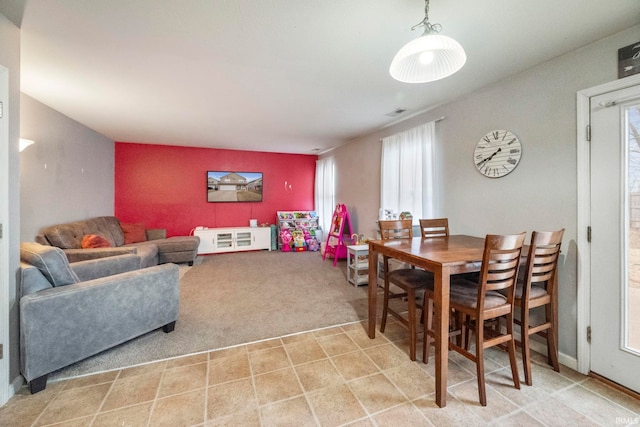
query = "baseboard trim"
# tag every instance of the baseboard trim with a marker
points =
(563, 359)
(16, 385)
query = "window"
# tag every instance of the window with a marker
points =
(325, 194)
(407, 172)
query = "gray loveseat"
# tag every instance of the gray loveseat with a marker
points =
(69, 312)
(156, 249)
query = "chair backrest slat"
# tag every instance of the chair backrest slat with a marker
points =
(435, 227)
(542, 261)
(500, 263)
(396, 229)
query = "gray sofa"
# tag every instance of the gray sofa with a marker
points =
(157, 249)
(69, 312)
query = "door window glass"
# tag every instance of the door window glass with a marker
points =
(632, 300)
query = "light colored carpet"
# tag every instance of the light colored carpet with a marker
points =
(231, 299)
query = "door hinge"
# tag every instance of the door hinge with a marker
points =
(589, 234)
(588, 133)
(0, 231)
(589, 334)
(1, 351)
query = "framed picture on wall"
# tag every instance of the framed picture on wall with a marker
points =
(629, 60)
(227, 186)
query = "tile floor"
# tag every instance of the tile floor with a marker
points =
(329, 377)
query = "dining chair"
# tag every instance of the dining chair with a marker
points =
(537, 287)
(435, 227)
(409, 281)
(481, 301)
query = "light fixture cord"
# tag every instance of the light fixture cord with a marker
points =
(429, 28)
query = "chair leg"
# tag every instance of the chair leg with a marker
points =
(385, 306)
(428, 326)
(511, 346)
(526, 350)
(552, 333)
(482, 392)
(411, 302)
(466, 331)
(459, 321)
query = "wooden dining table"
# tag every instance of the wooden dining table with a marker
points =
(444, 257)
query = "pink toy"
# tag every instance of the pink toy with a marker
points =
(286, 237)
(312, 244)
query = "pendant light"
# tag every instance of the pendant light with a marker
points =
(429, 57)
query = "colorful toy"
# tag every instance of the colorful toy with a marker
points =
(298, 240)
(285, 236)
(313, 245)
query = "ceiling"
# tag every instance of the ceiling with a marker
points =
(290, 76)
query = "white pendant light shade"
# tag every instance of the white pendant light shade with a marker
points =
(427, 58)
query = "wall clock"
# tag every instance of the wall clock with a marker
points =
(497, 153)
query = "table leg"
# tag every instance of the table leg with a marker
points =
(441, 321)
(372, 291)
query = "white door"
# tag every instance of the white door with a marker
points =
(615, 236)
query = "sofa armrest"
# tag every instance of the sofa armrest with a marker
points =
(103, 267)
(76, 255)
(63, 325)
(156, 233)
(31, 279)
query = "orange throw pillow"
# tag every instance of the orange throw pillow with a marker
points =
(134, 233)
(94, 241)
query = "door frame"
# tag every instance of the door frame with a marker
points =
(5, 282)
(583, 110)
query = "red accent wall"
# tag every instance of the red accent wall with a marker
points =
(166, 186)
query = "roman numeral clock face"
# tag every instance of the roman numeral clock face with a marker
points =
(497, 153)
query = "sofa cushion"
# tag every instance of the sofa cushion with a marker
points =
(69, 235)
(95, 241)
(51, 261)
(177, 244)
(133, 233)
(177, 249)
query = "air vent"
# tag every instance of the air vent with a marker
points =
(396, 112)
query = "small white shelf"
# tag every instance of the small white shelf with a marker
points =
(358, 264)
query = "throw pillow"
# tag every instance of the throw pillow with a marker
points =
(94, 241)
(134, 233)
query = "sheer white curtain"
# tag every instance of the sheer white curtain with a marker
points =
(325, 194)
(407, 172)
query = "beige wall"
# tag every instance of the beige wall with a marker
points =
(67, 175)
(539, 106)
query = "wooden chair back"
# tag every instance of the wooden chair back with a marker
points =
(500, 262)
(499, 271)
(436, 227)
(540, 270)
(396, 229)
(542, 261)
